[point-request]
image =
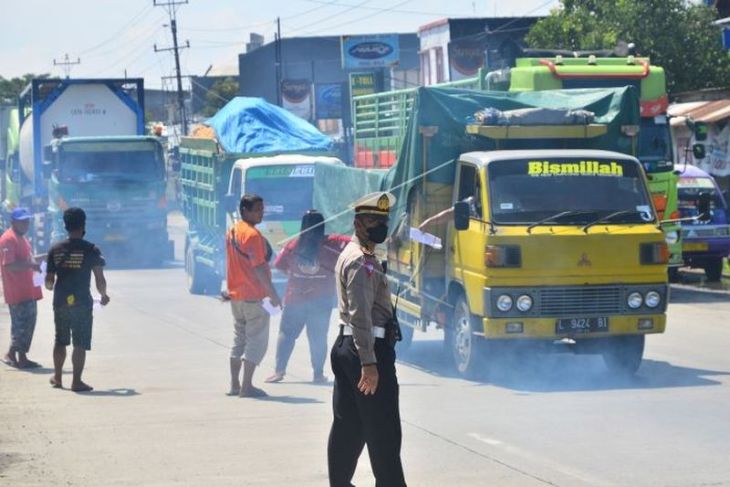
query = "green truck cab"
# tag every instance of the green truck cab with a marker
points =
(120, 183)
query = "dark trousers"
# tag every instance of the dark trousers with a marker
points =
(359, 419)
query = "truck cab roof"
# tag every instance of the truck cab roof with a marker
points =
(285, 159)
(109, 138)
(484, 158)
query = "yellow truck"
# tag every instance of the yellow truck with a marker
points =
(546, 237)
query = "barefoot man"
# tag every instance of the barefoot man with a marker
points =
(70, 264)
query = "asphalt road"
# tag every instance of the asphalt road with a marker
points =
(159, 415)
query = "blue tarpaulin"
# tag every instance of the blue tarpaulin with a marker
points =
(252, 125)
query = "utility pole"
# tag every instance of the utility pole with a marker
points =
(277, 54)
(171, 7)
(67, 64)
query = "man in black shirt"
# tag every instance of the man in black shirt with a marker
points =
(72, 262)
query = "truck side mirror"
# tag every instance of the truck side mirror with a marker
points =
(698, 151)
(703, 207)
(700, 131)
(47, 153)
(47, 168)
(461, 215)
(230, 203)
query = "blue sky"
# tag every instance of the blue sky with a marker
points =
(110, 36)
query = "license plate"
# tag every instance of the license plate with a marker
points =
(695, 247)
(581, 325)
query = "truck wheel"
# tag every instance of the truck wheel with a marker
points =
(404, 345)
(713, 268)
(195, 273)
(467, 349)
(623, 354)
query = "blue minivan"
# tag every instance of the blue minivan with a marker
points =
(704, 244)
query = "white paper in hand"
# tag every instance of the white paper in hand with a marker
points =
(425, 238)
(270, 308)
(40, 277)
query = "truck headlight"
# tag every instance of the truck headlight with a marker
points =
(652, 299)
(524, 303)
(634, 300)
(671, 237)
(504, 302)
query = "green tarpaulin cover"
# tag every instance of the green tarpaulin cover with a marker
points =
(336, 188)
(449, 110)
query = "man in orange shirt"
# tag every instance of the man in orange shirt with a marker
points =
(249, 282)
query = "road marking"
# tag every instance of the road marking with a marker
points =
(551, 464)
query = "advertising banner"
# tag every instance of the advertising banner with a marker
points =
(466, 56)
(374, 51)
(328, 100)
(296, 95)
(363, 84)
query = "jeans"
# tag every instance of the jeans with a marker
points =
(315, 315)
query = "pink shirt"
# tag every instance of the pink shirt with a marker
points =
(17, 285)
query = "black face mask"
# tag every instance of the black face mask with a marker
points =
(378, 233)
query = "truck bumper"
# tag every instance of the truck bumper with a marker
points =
(546, 328)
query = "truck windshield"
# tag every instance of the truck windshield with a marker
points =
(655, 146)
(527, 191)
(287, 190)
(84, 164)
(689, 190)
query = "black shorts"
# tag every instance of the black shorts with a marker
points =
(73, 321)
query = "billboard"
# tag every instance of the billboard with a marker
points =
(466, 56)
(373, 51)
(328, 100)
(296, 95)
(365, 83)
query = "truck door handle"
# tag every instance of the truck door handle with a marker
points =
(452, 249)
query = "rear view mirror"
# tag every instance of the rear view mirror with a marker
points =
(47, 169)
(698, 151)
(703, 207)
(700, 131)
(230, 203)
(47, 153)
(461, 215)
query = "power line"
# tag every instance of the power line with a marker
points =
(67, 64)
(337, 14)
(115, 36)
(384, 9)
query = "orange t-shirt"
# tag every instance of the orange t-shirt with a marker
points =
(242, 258)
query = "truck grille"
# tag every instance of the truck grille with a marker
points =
(580, 301)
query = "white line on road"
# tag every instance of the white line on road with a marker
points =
(563, 469)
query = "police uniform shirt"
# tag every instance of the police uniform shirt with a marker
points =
(363, 297)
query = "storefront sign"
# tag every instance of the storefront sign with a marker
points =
(297, 97)
(363, 84)
(376, 51)
(328, 100)
(466, 56)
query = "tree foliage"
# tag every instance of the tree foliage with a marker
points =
(676, 34)
(219, 94)
(10, 88)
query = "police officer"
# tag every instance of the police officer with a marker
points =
(365, 397)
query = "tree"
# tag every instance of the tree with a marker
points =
(678, 35)
(219, 94)
(11, 88)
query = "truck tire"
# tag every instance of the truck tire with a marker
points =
(196, 274)
(467, 349)
(623, 354)
(713, 268)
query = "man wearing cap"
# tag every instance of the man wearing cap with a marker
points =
(21, 294)
(365, 397)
